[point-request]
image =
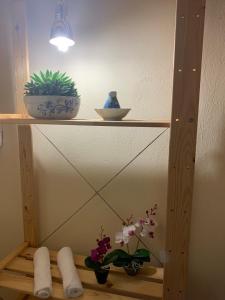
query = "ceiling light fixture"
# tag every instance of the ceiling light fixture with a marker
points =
(61, 34)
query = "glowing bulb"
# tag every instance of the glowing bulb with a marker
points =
(61, 33)
(62, 43)
(63, 48)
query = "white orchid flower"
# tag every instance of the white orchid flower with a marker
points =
(148, 225)
(129, 230)
(124, 236)
(121, 239)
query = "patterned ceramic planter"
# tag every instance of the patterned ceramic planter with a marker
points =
(52, 107)
(133, 268)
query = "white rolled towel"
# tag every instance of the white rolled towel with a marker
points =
(42, 274)
(71, 281)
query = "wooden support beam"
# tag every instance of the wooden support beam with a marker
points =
(187, 73)
(20, 55)
(27, 185)
(11, 256)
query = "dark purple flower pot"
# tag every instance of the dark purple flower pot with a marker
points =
(102, 275)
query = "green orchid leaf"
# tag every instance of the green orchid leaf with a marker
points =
(120, 258)
(113, 256)
(122, 261)
(142, 255)
(120, 253)
(89, 263)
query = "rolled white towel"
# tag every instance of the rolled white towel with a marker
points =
(42, 274)
(71, 282)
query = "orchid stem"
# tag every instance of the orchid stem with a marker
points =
(138, 242)
(128, 250)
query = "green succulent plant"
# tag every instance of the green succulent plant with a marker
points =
(50, 83)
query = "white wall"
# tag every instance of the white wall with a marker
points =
(128, 46)
(120, 45)
(207, 260)
(125, 45)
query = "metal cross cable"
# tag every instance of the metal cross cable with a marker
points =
(97, 192)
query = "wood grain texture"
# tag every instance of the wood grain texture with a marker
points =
(20, 59)
(149, 273)
(22, 297)
(120, 284)
(187, 73)
(24, 284)
(30, 218)
(5, 261)
(21, 119)
(93, 295)
(19, 271)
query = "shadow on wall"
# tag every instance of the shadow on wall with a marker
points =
(108, 14)
(6, 76)
(207, 266)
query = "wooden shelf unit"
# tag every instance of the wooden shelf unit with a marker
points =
(16, 270)
(23, 119)
(17, 273)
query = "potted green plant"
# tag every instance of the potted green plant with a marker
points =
(132, 262)
(51, 95)
(100, 259)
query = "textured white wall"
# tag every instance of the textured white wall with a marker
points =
(120, 45)
(128, 45)
(207, 260)
(125, 45)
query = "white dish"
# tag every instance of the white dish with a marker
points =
(112, 114)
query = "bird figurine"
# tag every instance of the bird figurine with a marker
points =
(112, 101)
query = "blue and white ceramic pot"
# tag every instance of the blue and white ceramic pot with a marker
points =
(133, 268)
(52, 107)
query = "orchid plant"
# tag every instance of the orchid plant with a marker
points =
(144, 227)
(100, 257)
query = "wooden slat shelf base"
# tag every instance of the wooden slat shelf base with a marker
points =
(18, 273)
(24, 119)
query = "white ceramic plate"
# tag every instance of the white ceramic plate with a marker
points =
(112, 114)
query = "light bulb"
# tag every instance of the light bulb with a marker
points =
(62, 43)
(61, 33)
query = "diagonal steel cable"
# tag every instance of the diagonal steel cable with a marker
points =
(97, 192)
(67, 220)
(132, 160)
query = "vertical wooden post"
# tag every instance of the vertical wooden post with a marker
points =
(21, 74)
(187, 73)
(20, 53)
(27, 185)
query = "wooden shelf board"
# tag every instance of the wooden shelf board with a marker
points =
(18, 275)
(93, 296)
(149, 273)
(23, 119)
(24, 284)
